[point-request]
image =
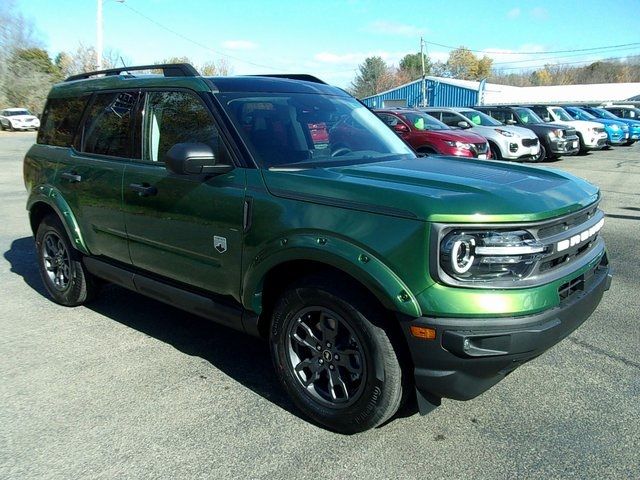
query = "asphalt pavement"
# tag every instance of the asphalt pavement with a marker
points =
(131, 388)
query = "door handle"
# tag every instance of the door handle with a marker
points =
(144, 189)
(73, 177)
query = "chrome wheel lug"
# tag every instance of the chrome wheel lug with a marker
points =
(331, 367)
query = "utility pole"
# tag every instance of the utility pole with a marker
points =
(99, 33)
(99, 36)
(424, 78)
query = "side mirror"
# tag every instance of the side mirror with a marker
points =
(194, 159)
(464, 124)
(546, 119)
(400, 128)
(510, 122)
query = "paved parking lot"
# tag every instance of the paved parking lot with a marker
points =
(132, 388)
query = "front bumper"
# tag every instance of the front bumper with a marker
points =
(565, 145)
(470, 355)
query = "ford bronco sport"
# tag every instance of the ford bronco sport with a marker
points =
(374, 275)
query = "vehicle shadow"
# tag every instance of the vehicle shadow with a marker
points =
(242, 357)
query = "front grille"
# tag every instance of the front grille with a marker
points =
(480, 147)
(581, 282)
(599, 129)
(529, 142)
(564, 229)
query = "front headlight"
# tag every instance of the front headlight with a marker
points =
(464, 146)
(484, 256)
(504, 132)
(557, 133)
(614, 127)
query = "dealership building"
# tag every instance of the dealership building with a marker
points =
(450, 92)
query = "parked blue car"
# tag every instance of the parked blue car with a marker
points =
(618, 132)
(633, 123)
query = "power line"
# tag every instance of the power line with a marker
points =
(561, 64)
(538, 53)
(195, 42)
(563, 56)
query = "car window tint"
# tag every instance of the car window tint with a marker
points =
(175, 117)
(60, 120)
(107, 129)
(451, 119)
(388, 119)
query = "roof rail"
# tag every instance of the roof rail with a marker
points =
(293, 76)
(168, 70)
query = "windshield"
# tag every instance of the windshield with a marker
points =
(562, 114)
(422, 121)
(11, 113)
(479, 118)
(602, 113)
(580, 114)
(310, 130)
(527, 116)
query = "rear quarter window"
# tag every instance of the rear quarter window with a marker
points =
(60, 120)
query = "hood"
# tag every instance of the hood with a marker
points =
(459, 135)
(447, 189)
(22, 118)
(579, 124)
(491, 131)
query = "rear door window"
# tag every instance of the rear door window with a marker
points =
(107, 129)
(60, 120)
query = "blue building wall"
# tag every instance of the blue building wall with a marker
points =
(439, 94)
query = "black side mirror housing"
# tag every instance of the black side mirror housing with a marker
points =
(194, 159)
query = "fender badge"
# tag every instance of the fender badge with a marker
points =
(220, 244)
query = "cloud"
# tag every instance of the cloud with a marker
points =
(239, 45)
(384, 27)
(540, 13)
(514, 13)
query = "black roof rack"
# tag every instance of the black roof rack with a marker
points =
(168, 70)
(293, 76)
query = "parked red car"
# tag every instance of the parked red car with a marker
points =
(425, 134)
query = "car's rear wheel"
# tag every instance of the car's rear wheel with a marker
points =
(334, 357)
(64, 276)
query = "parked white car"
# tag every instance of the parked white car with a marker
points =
(18, 119)
(505, 141)
(592, 135)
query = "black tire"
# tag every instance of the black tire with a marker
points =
(495, 151)
(542, 155)
(370, 377)
(427, 151)
(64, 275)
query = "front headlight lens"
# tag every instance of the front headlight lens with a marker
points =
(506, 133)
(558, 133)
(614, 127)
(464, 146)
(485, 256)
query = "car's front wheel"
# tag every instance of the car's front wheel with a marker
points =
(63, 274)
(334, 356)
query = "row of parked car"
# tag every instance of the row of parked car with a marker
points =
(522, 133)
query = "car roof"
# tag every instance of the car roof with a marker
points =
(259, 84)
(447, 109)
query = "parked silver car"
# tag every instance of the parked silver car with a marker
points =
(506, 141)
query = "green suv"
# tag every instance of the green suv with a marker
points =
(282, 207)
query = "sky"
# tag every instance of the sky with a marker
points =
(330, 38)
